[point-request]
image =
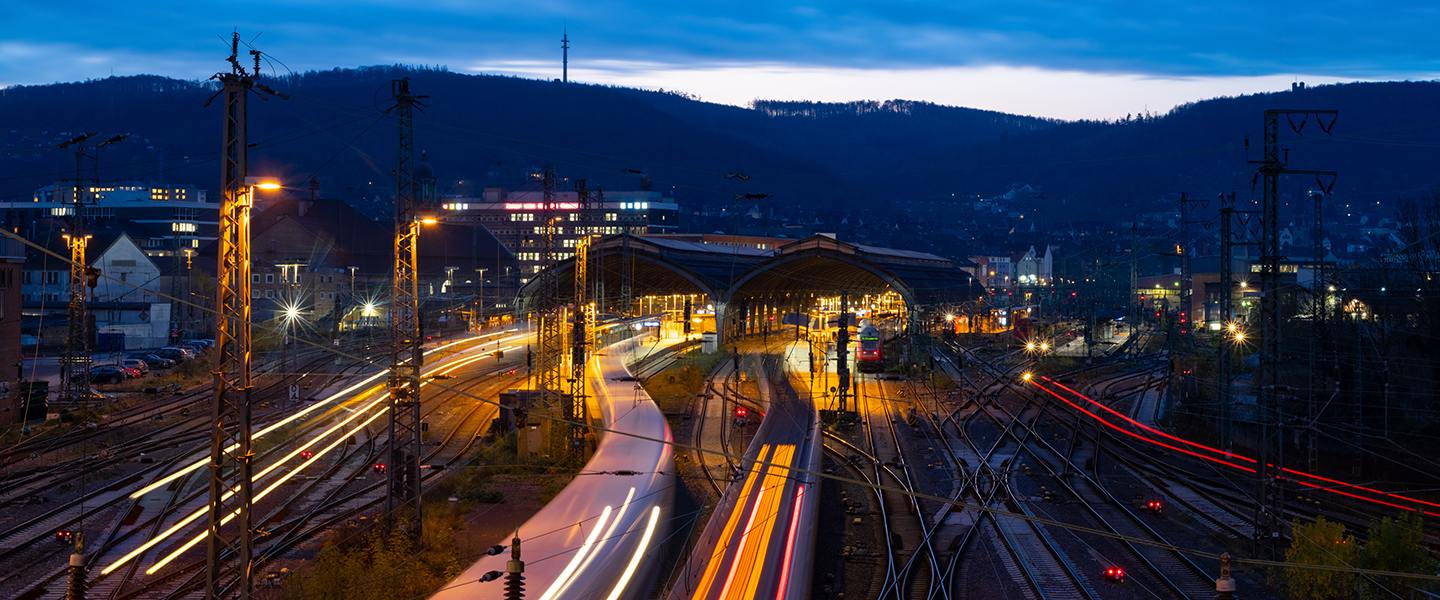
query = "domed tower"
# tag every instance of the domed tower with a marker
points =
(424, 182)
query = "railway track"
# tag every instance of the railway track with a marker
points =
(1067, 470)
(277, 516)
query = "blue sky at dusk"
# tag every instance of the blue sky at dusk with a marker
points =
(1056, 59)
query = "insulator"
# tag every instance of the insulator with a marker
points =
(77, 586)
(514, 586)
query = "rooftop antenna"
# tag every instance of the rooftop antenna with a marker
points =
(565, 56)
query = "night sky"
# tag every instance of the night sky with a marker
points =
(1055, 59)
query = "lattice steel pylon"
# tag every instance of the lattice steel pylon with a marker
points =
(402, 498)
(230, 551)
(75, 364)
(1270, 493)
(551, 344)
(627, 274)
(579, 351)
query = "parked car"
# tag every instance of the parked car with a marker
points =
(136, 364)
(110, 374)
(189, 351)
(154, 362)
(174, 354)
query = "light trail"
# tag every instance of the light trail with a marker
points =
(204, 534)
(713, 566)
(745, 553)
(354, 415)
(753, 558)
(204, 461)
(1246, 469)
(199, 513)
(603, 539)
(639, 553)
(790, 541)
(1136, 435)
(564, 579)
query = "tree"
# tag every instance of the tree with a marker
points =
(1398, 545)
(1320, 543)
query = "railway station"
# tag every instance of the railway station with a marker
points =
(735, 290)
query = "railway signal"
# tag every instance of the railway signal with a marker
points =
(64, 537)
(1115, 574)
(380, 468)
(1154, 506)
(307, 454)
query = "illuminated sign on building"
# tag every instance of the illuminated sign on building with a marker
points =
(541, 205)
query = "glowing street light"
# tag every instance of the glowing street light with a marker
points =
(264, 183)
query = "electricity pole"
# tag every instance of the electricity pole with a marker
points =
(1134, 285)
(230, 453)
(406, 345)
(75, 364)
(842, 351)
(1269, 494)
(550, 342)
(579, 342)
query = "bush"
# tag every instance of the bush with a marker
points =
(1320, 543)
(1398, 545)
(384, 565)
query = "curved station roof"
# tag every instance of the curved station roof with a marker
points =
(818, 265)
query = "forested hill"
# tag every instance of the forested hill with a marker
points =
(490, 131)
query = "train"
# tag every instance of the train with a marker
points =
(871, 357)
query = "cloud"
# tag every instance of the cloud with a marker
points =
(910, 44)
(1021, 90)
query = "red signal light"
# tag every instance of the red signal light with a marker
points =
(379, 467)
(740, 412)
(63, 537)
(306, 454)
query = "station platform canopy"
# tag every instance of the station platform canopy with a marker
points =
(732, 272)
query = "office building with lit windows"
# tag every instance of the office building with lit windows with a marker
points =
(517, 219)
(176, 217)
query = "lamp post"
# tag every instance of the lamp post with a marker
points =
(290, 305)
(477, 318)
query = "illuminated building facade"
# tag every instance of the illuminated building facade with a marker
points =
(516, 220)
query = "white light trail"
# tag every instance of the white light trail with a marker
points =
(204, 461)
(580, 555)
(199, 538)
(354, 415)
(613, 525)
(199, 513)
(639, 552)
